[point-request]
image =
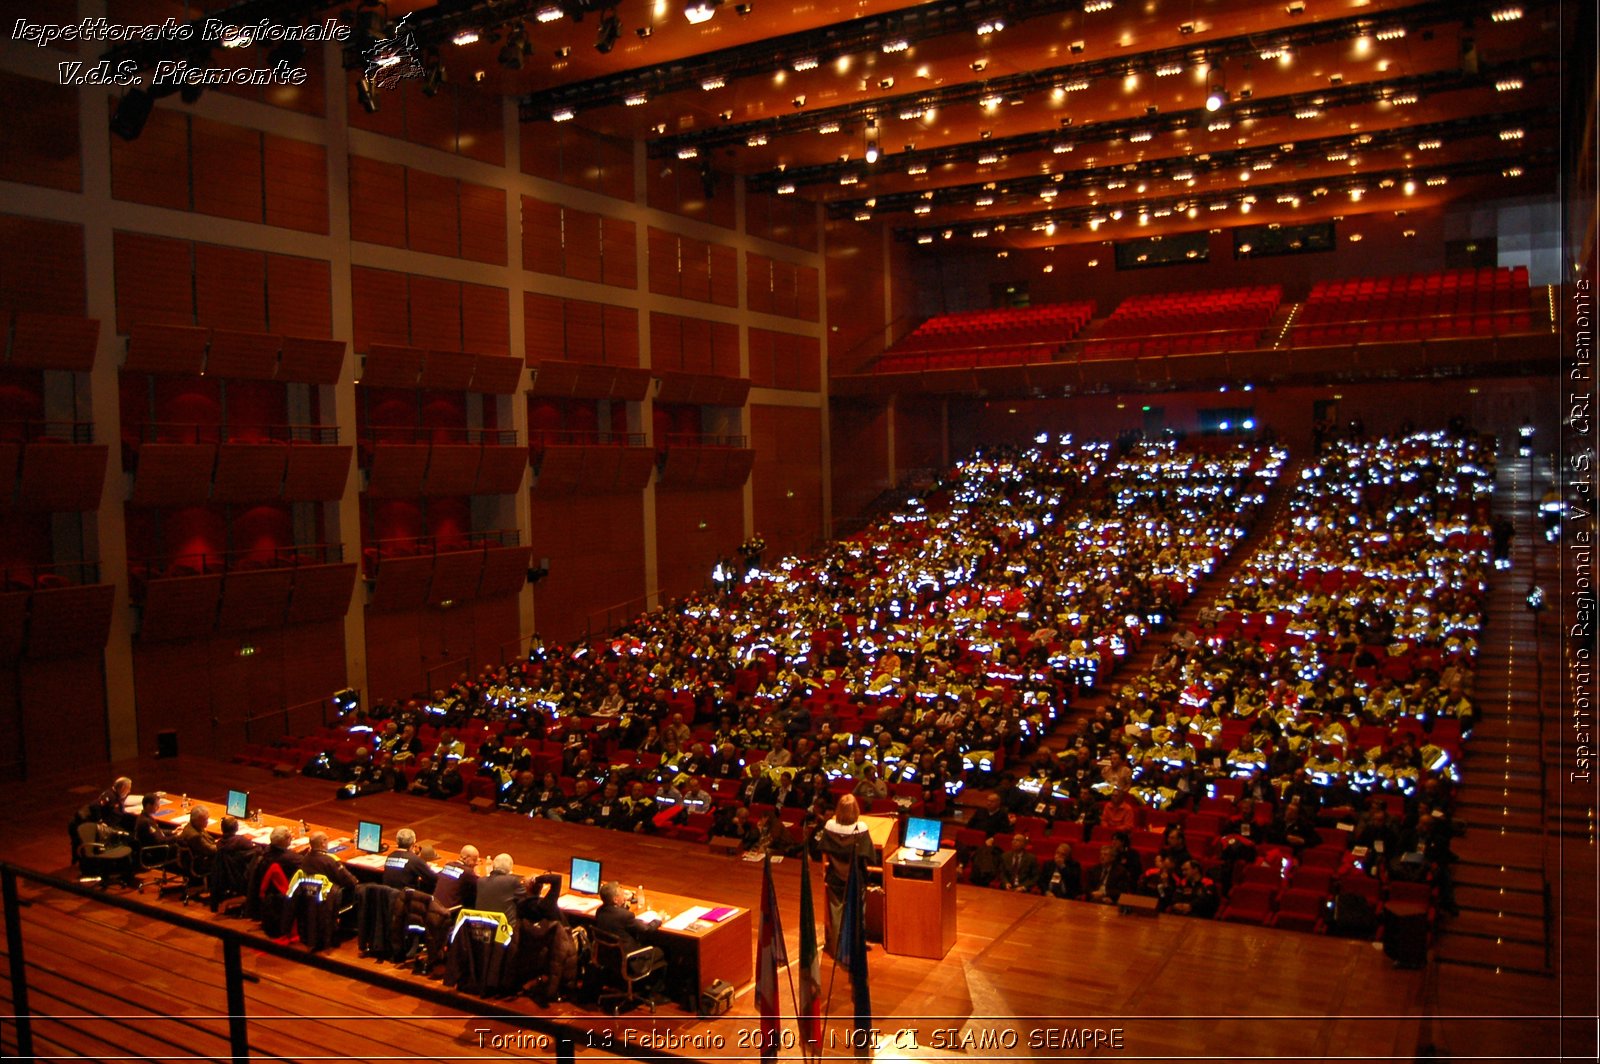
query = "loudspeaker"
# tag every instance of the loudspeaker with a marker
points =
(167, 744)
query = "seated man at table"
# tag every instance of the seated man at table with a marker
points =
(317, 861)
(614, 918)
(502, 890)
(404, 867)
(110, 808)
(193, 837)
(147, 830)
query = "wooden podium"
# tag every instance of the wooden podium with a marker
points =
(919, 903)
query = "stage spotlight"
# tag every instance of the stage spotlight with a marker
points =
(515, 48)
(132, 113)
(367, 93)
(610, 30)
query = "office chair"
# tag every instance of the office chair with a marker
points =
(229, 878)
(194, 871)
(375, 917)
(629, 967)
(418, 935)
(315, 905)
(159, 857)
(103, 860)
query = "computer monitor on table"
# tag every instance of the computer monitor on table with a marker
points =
(238, 804)
(585, 877)
(922, 835)
(369, 837)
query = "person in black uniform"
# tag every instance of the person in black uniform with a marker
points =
(457, 883)
(614, 918)
(193, 837)
(319, 862)
(404, 868)
(147, 830)
(111, 809)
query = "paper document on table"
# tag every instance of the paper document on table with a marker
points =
(682, 921)
(371, 862)
(577, 903)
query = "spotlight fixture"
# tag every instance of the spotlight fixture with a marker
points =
(1091, 6)
(785, 190)
(991, 26)
(563, 52)
(700, 11)
(566, 114)
(1215, 99)
(1296, 8)
(979, 65)
(872, 142)
(1186, 28)
(804, 63)
(610, 30)
(515, 48)
(366, 93)
(688, 153)
(897, 44)
(133, 111)
(1076, 47)
(548, 13)
(644, 31)
(1508, 85)
(716, 81)
(466, 37)
(799, 101)
(743, 9)
(638, 99)
(1507, 14)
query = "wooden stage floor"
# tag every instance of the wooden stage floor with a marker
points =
(1027, 977)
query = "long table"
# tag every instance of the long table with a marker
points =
(701, 951)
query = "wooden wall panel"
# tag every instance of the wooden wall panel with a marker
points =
(42, 266)
(377, 202)
(693, 530)
(724, 275)
(483, 223)
(432, 214)
(663, 262)
(42, 133)
(696, 345)
(581, 158)
(296, 184)
(435, 313)
(485, 319)
(786, 483)
(580, 244)
(762, 344)
(859, 440)
(154, 168)
(226, 162)
(541, 236)
(584, 334)
(666, 341)
(480, 124)
(758, 283)
(153, 276)
(618, 252)
(856, 285)
(595, 550)
(69, 694)
(694, 263)
(725, 349)
(544, 328)
(299, 297)
(621, 336)
(380, 313)
(805, 293)
(230, 288)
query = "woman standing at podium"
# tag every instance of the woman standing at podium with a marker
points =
(844, 840)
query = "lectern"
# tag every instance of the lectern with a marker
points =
(919, 901)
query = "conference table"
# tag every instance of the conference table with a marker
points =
(705, 941)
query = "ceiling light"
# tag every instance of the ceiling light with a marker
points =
(1168, 70)
(1140, 138)
(1435, 182)
(828, 127)
(714, 82)
(1511, 134)
(1186, 28)
(465, 37)
(785, 190)
(638, 99)
(566, 114)
(863, 216)
(1219, 125)
(915, 169)
(1091, 6)
(548, 13)
(1355, 238)
(848, 179)
(644, 31)
(983, 201)
(910, 115)
(1273, 53)
(925, 238)
(1429, 145)
(922, 208)
(1076, 47)
(700, 11)
(979, 234)
(1076, 86)
(1307, 112)
(757, 141)
(980, 65)
(799, 101)
(1356, 194)
(898, 44)
(1507, 14)
(990, 102)
(1512, 171)
(872, 142)
(1409, 233)
(1215, 99)
(804, 63)
(1060, 148)
(1391, 34)
(688, 153)
(1401, 101)
(1508, 85)
(988, 159)
(992, 26)
(1049, 268)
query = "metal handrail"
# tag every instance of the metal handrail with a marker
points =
(539, 438)
(233, 943)
(285, 713)
(222, 432)
(31, 431)
(377, 551)
(65, 574)
(702, 439)
(422, 435)
(206, 563)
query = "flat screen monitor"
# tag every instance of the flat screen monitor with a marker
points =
(239, 804)
(922, 834)
(585, 876)
(369, 837)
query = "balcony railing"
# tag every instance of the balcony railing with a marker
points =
(191, 432)
(26, 577)
(375, 552)
(418, 435)
(20, 431)
(702, 439)
(540, 438)
(211, 563)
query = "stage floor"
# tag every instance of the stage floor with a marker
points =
(1028, 977)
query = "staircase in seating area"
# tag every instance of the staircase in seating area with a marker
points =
(1502, 880)
(1139, 662)
(1276, 334)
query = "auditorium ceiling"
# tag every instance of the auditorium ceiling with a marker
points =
(1037, 122)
